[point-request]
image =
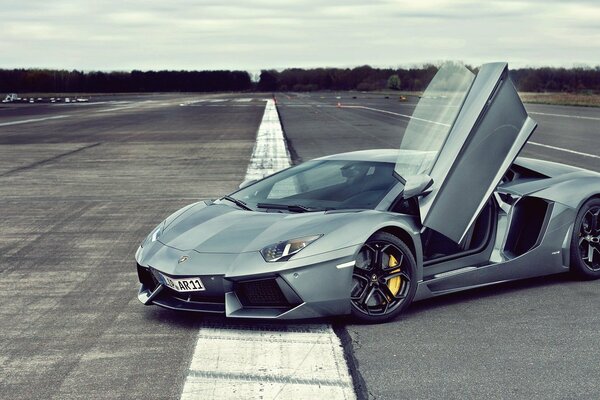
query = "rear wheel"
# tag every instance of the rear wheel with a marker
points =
(585, 244)
(384, 279)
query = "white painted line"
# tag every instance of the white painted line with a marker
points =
(91, 103)
(27, 121)
(396, 114)
(226, 105)
(565, 116)
(131, 105)
(294, 362)
(270, 153)
(116, 109)
(565, 150)
(301, 362)
(191, 102)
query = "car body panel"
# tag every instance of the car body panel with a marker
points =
(545, 258)
(222, 229)
(570, 190)
(344, 231)
(545, 167)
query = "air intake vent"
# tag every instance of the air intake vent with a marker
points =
(146, 278)
(261, 293)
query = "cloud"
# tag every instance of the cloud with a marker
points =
(254, 34)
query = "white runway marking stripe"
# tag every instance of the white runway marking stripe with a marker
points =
(270, 153)
(191, 102)
(297, 362)
(268, 361)
(565, 116)
(130, 106)
(565, 150)
(115, 109)
(396, 114)
(27, 121)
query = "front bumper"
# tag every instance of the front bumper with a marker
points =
(305, 288)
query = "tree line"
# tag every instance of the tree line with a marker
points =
(62, 81)
(363, 78)
(545, 79)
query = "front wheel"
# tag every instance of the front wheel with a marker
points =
(585, 244)
(384, 279)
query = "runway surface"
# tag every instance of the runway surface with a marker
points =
(78, 194)
(82, 184)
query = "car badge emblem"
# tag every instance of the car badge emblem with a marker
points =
(182, 259)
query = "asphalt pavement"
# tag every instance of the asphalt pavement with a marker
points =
(82, 184)
(77, 195)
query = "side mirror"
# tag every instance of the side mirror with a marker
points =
(247, 183)
(417, 185)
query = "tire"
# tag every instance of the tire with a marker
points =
(585, 246)
(384, 280)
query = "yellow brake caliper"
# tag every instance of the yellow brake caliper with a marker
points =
(394, 283)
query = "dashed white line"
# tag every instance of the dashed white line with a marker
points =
(27, 121)
(268, 361)
(91, 103)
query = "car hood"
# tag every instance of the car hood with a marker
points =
(220, 228)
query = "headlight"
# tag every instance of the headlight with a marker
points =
(282, 251)
(154, 235)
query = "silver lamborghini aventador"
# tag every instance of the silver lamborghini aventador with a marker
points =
(369, 232)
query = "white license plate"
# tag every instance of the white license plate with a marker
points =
(183, 284)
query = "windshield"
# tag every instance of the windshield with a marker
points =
(322, 185)
(432, 119)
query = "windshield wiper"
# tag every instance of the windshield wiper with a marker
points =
(290, 207)
(237, 202)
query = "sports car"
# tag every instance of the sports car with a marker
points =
(368, 232)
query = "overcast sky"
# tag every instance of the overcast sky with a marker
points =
(255, 34)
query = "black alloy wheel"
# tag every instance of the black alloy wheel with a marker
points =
(585, 244)
(383, 280)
